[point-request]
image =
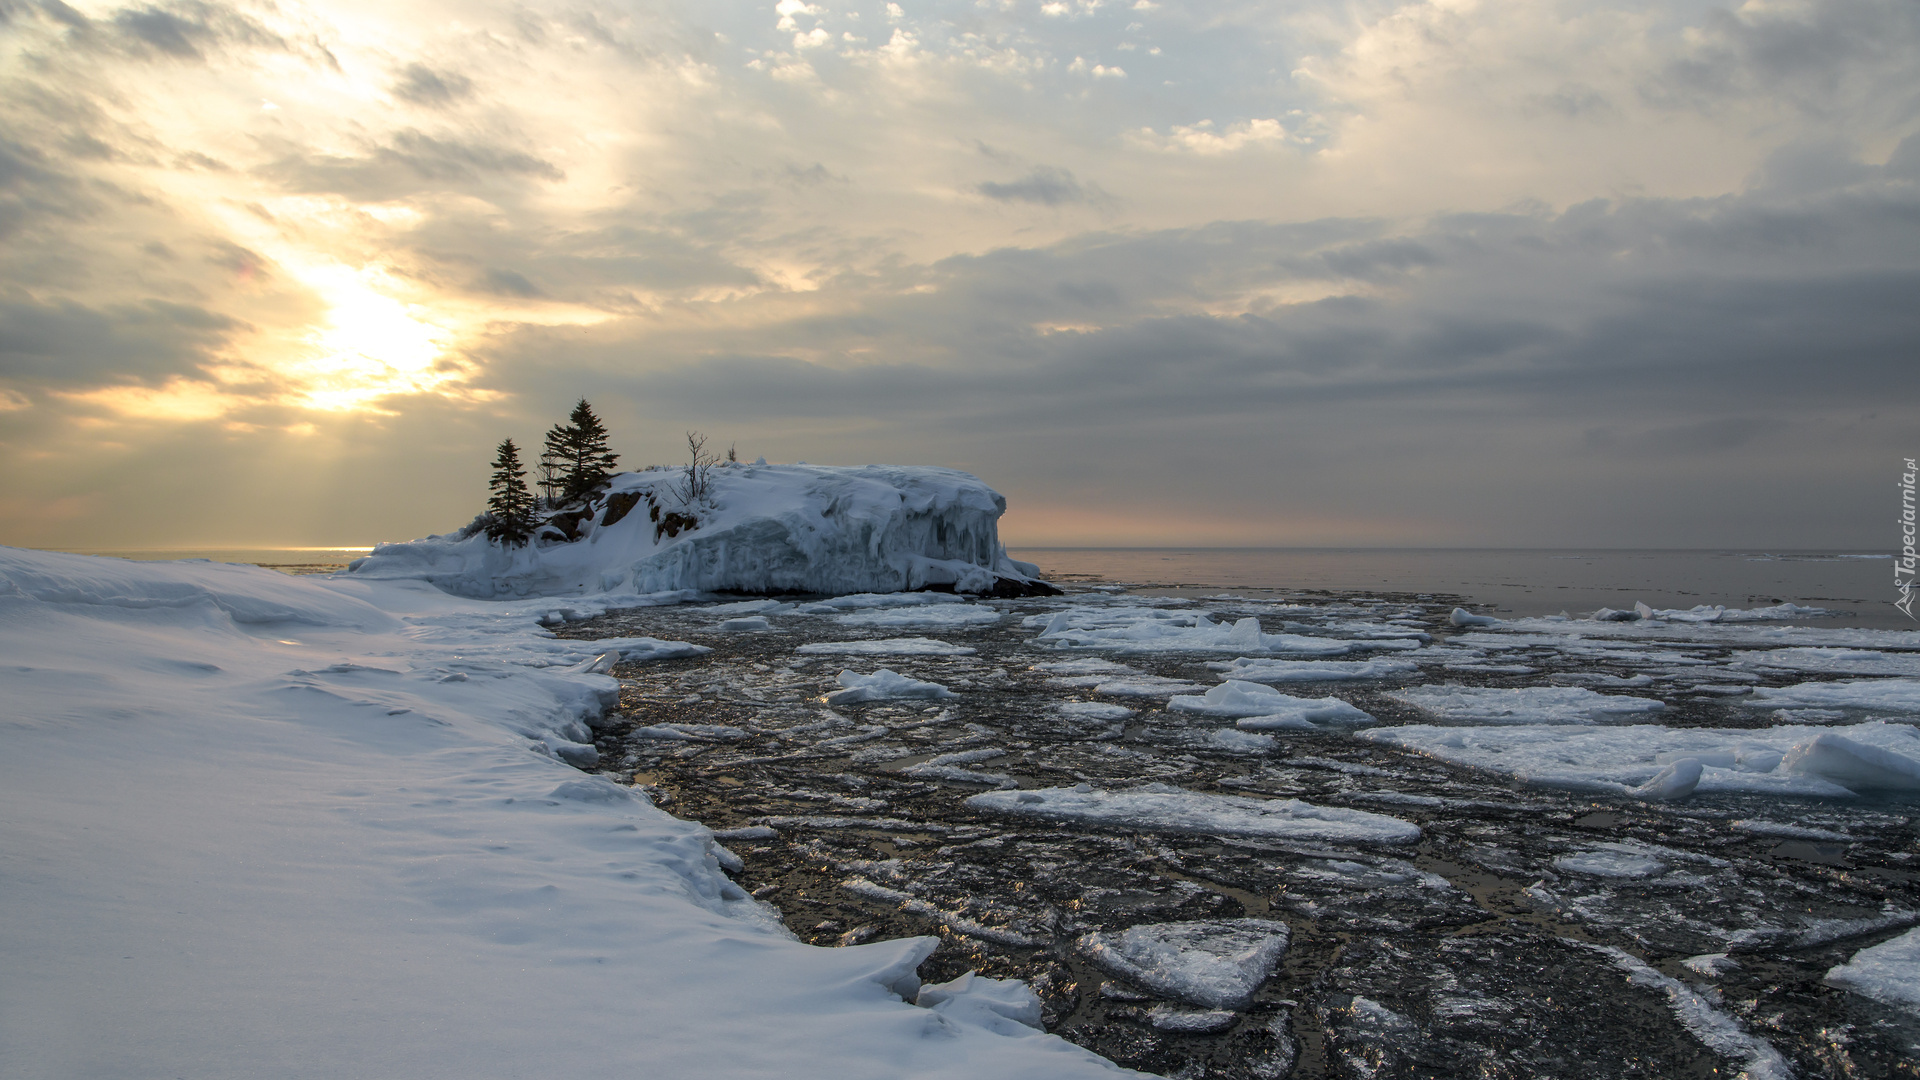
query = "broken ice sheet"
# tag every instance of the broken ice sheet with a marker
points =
(1214, 963)
(1522, 705)
(906, 646)
(1164, 809)
(1245, 699)
(1887, 972)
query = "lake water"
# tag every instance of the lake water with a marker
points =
(1513, 582)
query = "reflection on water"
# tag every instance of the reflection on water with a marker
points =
(1515, 582)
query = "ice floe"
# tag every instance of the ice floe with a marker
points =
(1836, 661)
(883, 685)
(1162, 808)
(1789, 760)
(1252, 702)
(1213, 963)
(1892, 695)
(942, 616)
(1154, 630)
(1719, 1032)
(1522, 705)
(905, 646)
(1255, 669)
(1887, 972)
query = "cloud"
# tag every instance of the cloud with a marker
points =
(423, 85)
(1044, 186)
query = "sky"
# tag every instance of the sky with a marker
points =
(1504, 273)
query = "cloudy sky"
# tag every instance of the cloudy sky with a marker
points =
(1461, 272)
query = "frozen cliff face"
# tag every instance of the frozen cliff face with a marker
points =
(758, 529)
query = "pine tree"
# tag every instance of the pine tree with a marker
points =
(589, 463)
(555, 465)
(510, 508)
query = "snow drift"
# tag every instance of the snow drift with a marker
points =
(764, 529)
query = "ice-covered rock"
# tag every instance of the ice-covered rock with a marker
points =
(1213, 963)
(1165, 809)
(761, 529)
(883, 685)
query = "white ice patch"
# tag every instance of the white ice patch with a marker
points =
(1245, 699)
(1887, 972)
(868, 601)
(905, 646)
(745, 625)
(1164, 809)
(1141, 686)
(1612, 861)
(1213, 963)
(1802, 761)
(884, 684)
(1235, 741)
(1892, 695)
(1093, 710)
(1522, 705)
(1250, 669)
(1719, 1032)
(944, 616)
(1836, 661)
(1003, 1006)
(1152, 630)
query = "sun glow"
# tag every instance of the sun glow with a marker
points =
(370, 346)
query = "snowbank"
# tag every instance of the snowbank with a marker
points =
(763, 529)
(259, 824)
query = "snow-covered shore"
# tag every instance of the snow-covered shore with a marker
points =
(259, 825)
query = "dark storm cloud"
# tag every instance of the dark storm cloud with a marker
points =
(65, 343)
(1800, 53)
(423, 85)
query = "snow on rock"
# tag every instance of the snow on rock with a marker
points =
(1651, 761)
(1212, 963)
(1140, 629)
(762, 529)
(907, 646)
(1251, 669)
(264, 819)
(1245, 699)
(1164, 809)
(1522, 705)
(1893, 695)
(883, 685)
(1887, 972)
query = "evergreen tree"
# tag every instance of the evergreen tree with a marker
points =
(510, 508)
(555, 465)
(583, 453)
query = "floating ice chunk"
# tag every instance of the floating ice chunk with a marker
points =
(1719, 1032)
(1858, 766)
(1163, 809)
(1165, 1017)
(1003, 1006)
(1523, 705)
(869, 601)
(883, 685)
(1147, 630)
(1241, 742)
(1612, 861)
(1086, 665)
(1712, 965)
(906, 646)
(647, 648)
(1624, 760)
(1145, 686)
(957, 616)
(1463, 617)
(746, 624)
(1677, 781)
(1792, 832)
(1244, 699)
(1214, 963)
(749, 607)
(1249, 669)
(1093, 710)
(1894, 695)
(1887, 972)
(1836, 661)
